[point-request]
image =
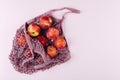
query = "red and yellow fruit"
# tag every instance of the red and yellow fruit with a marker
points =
(42, 39)
(51, 51)
(45, 22)
(60, 42)
(52, 33)
(33, 30)
(20, 39)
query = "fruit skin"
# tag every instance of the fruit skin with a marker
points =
(28, 54)
(33, 30)
(42, 39)
(45, 22)
(52, 33)
(60, 42)
(51, 51)
(40, 60)
(20, 39)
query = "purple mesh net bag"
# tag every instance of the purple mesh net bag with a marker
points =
(29, 54)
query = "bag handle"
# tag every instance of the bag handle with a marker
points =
(71, 10)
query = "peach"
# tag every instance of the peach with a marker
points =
(28, 54)
(42, 39)
(33, 30)
(51, 51)
(60, 42)
(20, 39)
(45, 22)
(40, 60)
(52, 33)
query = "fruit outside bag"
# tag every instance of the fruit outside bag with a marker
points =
(40, 44)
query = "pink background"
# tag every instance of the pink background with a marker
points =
(93, 37)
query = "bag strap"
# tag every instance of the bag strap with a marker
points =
(71, 10)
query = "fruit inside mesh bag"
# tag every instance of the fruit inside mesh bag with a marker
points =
(40, 44)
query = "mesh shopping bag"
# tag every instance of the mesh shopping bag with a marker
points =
(40, 43)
